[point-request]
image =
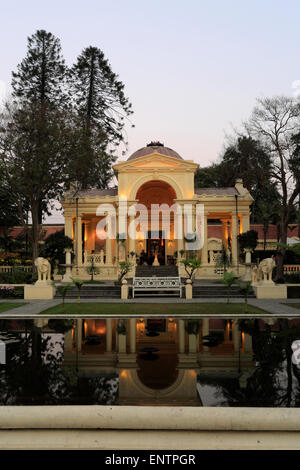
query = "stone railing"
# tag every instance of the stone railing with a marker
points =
(291, 268)
(8, 269)
(99, 258)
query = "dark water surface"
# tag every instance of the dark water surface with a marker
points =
(167, 361)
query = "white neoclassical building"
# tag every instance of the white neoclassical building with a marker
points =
(155, 175)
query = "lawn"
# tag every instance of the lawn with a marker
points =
(9, 305)
(151, 309)
(294, 305)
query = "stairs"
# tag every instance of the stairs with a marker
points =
(156, 271)
(93, 291)
(216, 291)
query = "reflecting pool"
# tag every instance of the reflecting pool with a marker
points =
(150, 361)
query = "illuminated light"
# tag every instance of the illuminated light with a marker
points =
(123, 373)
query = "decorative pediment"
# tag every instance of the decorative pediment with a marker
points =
(155, 160)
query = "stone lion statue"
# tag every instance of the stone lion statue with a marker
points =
(43, 269)
(265, 269)
(254, 274)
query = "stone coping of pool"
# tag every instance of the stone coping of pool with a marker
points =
(150, 418)
(147, 428)
(6, 316)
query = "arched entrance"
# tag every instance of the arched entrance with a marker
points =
(158, 240)
(157, 353)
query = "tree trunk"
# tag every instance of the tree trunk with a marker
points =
(282, 251)
(35, 231)
(266, 226)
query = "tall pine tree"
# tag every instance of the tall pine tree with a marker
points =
(102, 107)
(41, 76)
(39, 86)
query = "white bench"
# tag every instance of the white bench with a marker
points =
(155, 285)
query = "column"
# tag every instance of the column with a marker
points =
(179, 232)
(122, 343)
(68, 342)
(108, 335)
(204, 258)
(234, 240)
(205, 330)
(245, 222)
(224, 233)
(79, 241)
(181, 336)
(131, 234)
(132, 335)
(68, 226)
(236, 336)
(108, 243)
(193, 343)
(87, 247)
(79, 334)
(247, 343)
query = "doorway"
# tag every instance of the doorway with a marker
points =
(156, 245)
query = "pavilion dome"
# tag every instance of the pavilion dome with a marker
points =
(155, 147)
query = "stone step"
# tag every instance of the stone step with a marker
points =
(217, 291)
(156, 271)
(221, 296)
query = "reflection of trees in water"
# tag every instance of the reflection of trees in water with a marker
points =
(35, 375)
(276, 380)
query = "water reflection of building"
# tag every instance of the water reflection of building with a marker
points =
(157, 360)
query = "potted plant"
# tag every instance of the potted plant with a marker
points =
(92, 269)
(223, 260)
(246, 288)
(248, 243)
(121, 327)
(63, 290)
(124, 267)
(78, 283)
(191, 266)
(192, 327)
(229, 279)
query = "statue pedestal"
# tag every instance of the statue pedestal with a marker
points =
(43, 283)
(247, 276)
(39, 291)
(188, 289)
(67, 277)
(269, 290)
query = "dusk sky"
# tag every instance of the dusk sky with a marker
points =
(192, 69)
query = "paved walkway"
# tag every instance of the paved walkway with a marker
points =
(35, 307)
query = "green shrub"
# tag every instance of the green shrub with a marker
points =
(16, 276)
(11, 292)
(248, 240)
